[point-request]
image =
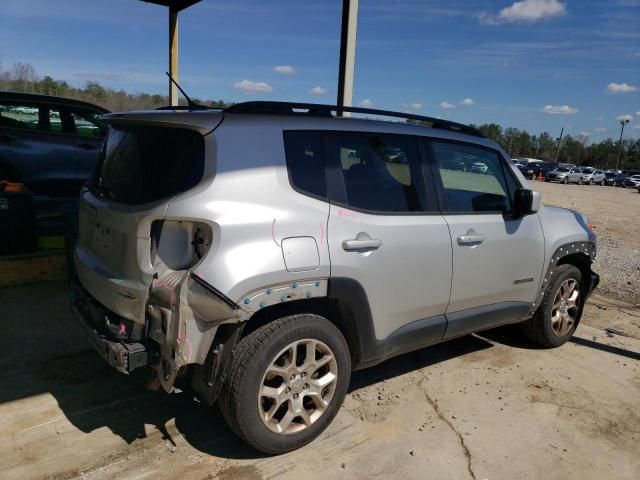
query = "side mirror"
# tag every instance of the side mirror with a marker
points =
(525, 202)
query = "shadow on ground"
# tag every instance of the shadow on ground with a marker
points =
(47, 354)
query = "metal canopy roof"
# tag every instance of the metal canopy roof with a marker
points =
(175, 5)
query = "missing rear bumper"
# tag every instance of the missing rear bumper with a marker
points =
(125, 357)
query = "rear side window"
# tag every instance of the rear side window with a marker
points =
(145, 164)
(381, 173)
(473, 179)
(305, 162)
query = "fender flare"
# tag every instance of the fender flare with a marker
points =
(585, 247)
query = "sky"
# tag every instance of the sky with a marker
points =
(537, 65)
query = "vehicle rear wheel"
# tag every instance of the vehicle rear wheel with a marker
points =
(565, 180)
(286, 383)
(602, 183)
(557, 318)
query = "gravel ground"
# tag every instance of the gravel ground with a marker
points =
(616, 215)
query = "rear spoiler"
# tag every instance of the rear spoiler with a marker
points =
(204, 121)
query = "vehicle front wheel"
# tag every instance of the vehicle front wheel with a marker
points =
(286, 383)
(602, 183)
(557, 318)
(580, 181)
(565, 180)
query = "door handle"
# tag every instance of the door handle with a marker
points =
(470, 240)
(355, 244)
(87, 146)
(7, 138)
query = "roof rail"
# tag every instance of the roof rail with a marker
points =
(190, 108)
(288, 108)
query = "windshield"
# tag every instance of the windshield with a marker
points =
(563, 169)
(587, 170)
(611, 175)
(143, 164)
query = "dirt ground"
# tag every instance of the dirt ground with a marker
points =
(483, 406)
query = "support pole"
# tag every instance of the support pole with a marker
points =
(347, 54)
(173, 55)
(559, 146)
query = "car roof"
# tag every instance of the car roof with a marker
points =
(49, 99)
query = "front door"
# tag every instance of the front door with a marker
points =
(384, 232)
(497, 258)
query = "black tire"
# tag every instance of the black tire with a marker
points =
(249, 362)
(565, 180)
(539, 327)
(603, 183)
(580, 182)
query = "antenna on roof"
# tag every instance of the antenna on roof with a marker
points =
(190, 102)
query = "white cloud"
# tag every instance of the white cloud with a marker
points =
(467, 102)
(600, 130)
(620, 88)
(318, 90)
(417, 105)
(636, 127)
(526, 11)
(447, 105)
(559, 109)
(285, 69)
(366, 103)
(584, 134)
(638, 113)
(622, 118)
(249, 86)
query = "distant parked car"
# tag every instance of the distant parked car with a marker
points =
(50, 144)
(632, 181)
(479, 167)
(534, 169)
(564, 175)
(591, 175)
(610, 178)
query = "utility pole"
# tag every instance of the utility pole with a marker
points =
(622, 124)
(559, 145)
(347, 54)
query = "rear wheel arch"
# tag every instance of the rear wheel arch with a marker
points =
(346, 305)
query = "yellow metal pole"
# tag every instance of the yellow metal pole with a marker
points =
(173, 55)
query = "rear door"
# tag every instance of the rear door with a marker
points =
(35, 145)
(385, 233)
(497, 259)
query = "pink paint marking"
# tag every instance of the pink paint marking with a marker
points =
(273, 232)
(123, 329)
(346, 214)
(321, 233)
(190, 350)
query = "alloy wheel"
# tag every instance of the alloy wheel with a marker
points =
(297, 386)
(565, 307)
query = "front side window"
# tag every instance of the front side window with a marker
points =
(482, 187)
(381, 173)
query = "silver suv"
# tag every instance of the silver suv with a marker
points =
(265, 251)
